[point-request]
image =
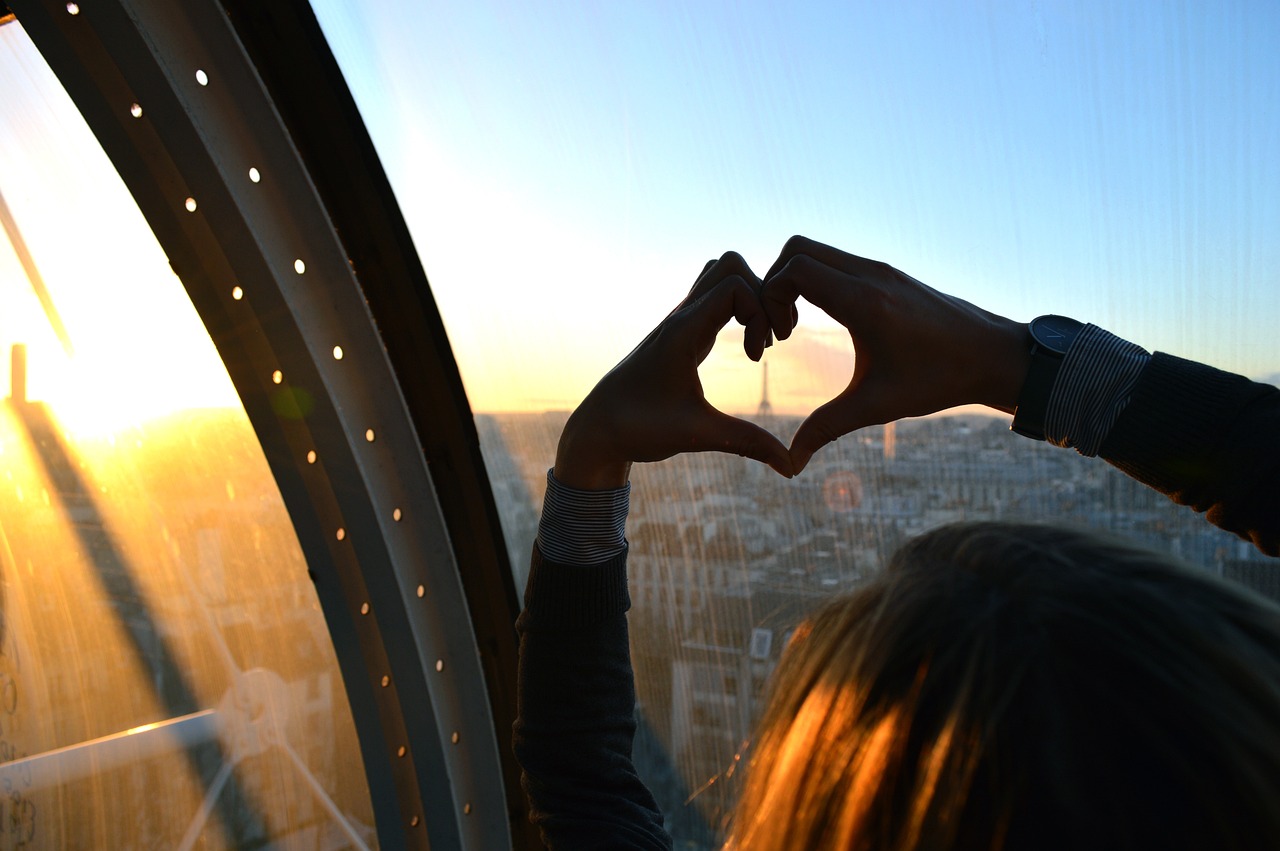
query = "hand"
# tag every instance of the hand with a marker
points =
(916, 350)
(650, 406)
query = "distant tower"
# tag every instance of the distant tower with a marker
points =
(765, 410)
(890, 441)
(18, 374)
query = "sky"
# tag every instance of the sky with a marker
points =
(138, 349)
(567, 168)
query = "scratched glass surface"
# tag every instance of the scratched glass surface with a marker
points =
(166, 677)
(566, 169)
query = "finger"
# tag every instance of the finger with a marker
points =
(724, 433)
(751, 316)
(778, 299)
(836, 418)
(732, 297)
(705, 269)
(833, 290)
(731, 263)
(793, 246)
(830, 255)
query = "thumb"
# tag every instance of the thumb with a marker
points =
(730, 434)
(838, 417)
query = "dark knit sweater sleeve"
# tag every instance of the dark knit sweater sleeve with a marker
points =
(575, 720)
(1207, 439)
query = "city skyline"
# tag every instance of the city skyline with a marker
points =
(1112, 165)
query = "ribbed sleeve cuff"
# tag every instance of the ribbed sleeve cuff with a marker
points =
(567, 596)
(582, 527)
(1093, 387)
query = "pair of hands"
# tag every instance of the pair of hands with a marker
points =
(916, 351)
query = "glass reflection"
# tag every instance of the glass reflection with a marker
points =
(166, 676)
(1088, 160)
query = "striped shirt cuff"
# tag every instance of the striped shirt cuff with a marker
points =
(581, 527)
(1093, 386)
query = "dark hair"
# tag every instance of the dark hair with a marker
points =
(1024, 687)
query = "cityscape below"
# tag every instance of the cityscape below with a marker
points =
(151, 579)
(726, 558)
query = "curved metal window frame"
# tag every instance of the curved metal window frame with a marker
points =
(375, 452)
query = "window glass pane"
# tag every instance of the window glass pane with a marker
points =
(167, 676)
(566, 170)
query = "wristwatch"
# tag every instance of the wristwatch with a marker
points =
(1051, 337)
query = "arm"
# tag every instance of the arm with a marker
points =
(1203, 437)
(576, 714)
(1207, 439)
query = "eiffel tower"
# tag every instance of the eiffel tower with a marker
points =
(765, 410)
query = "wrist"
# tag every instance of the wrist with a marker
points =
(1007, 361)
(590, 475)
(584, 459)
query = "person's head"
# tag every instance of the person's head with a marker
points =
(1023, 687)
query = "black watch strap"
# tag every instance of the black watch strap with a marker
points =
(1033, 401)
(1051, 338)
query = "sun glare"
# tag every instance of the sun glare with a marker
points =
(111, 338)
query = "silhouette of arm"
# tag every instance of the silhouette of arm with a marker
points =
(1207, 439)
(575, 721)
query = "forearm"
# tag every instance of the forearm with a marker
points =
(1207, 439)
(1203, 437)
(576, 713)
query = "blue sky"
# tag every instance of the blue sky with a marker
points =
(567, 167)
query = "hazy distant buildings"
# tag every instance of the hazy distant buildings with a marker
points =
(726, 558)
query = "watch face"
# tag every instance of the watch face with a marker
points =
(1055, 333)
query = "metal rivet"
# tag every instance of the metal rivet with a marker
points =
(337, 352)
(311, 456)
(364, 608)
(190, 204)
(395, 515)
(386, 681)
(135, 109)
(299, 266)
(254, 175)
(454, 737)
(413, 822)
(201, 77)
(439, 665)
(342, 533)
(237, 293)
(277, 377)
(368, 435)
(400, 752)
(73, 9)
(422, 591)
